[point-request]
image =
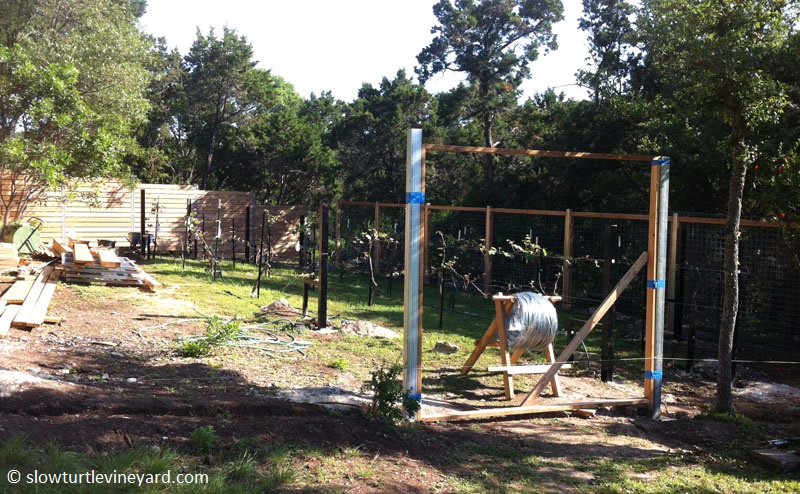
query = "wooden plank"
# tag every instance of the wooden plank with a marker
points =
(536, 152)
(524, 369)
(61, 247)
(784, 460)
(151, 282)
(82, 254)
(598, 314)
(18, 291)
(26, 310)
(108, 258)
(39, 311)
(530, 409)
(8, 316)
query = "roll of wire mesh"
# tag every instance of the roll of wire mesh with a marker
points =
(532, 322)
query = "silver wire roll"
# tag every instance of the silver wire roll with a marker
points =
(532, 322)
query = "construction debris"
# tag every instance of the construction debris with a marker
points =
(24, 305)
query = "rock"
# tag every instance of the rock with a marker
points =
(131, 380)
(445, 348)
(366, 328)
(280, 307)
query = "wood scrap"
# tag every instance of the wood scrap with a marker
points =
(38, 313)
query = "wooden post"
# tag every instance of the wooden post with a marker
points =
(610, 276)
(143, 243)
(338, 237)
(672, 281)
(376, 247)
(487, 257)
(322, 300)
(566, 271)
(247, 235)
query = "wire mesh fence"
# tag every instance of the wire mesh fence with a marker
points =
(485, 251)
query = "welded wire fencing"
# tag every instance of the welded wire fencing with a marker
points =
(484, 251)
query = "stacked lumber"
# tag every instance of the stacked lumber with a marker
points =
(105, 267)
(9, 257)
(24, 305)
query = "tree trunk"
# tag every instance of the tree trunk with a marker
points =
(730, 306)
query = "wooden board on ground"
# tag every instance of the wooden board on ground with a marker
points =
(8, 316)
(30, 307)
(784, 460)
(18, 291)
(38, 313)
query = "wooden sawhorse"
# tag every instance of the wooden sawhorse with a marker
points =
(503, 305)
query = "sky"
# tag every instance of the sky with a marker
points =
(337, 45)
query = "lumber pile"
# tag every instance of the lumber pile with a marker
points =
(85, 265)
(24, 305)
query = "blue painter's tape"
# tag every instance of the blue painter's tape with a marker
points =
(655, 375)
(664, 160)
(656, 284)
(415, 198)
(416, 397)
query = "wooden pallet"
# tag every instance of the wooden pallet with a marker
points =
(120, 271)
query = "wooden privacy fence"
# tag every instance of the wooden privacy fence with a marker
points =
(112, 211)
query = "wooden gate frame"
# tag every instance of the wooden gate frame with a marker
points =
(654, 257)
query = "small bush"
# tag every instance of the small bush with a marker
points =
(195, 348)
(389, 399)
(204, 439)
(339, 364)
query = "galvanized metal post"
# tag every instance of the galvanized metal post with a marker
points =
(412, 311)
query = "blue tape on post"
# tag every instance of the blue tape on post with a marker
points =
(656, 284)
(415, 198)
(416, 397)
(653, 375)
(661, 161)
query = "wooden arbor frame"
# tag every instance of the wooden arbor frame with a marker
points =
(654, 258)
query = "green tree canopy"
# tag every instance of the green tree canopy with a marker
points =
(72, 90)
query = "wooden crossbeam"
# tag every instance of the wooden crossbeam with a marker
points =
(598, 314)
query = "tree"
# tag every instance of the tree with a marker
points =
(713, 58)
(608, 23)
(492, 42)
(219, 75)
(72, 82)
(370, 138)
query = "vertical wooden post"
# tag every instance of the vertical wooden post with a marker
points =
(426, 258)
(414, 237)
(143, 243)
(322, 300)
(247, 235)
(672, 269)
(610, 279)
(338, 236)
(487, 246)
(376, 248)
(566, 270)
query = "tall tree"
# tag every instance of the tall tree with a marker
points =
(72, 92)
(608, 24)
(370, 138)
(714, 57)
(492, 42)
(219, 76)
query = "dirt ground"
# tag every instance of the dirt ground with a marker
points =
(107, 377)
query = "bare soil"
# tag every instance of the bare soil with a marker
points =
(107, 377)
